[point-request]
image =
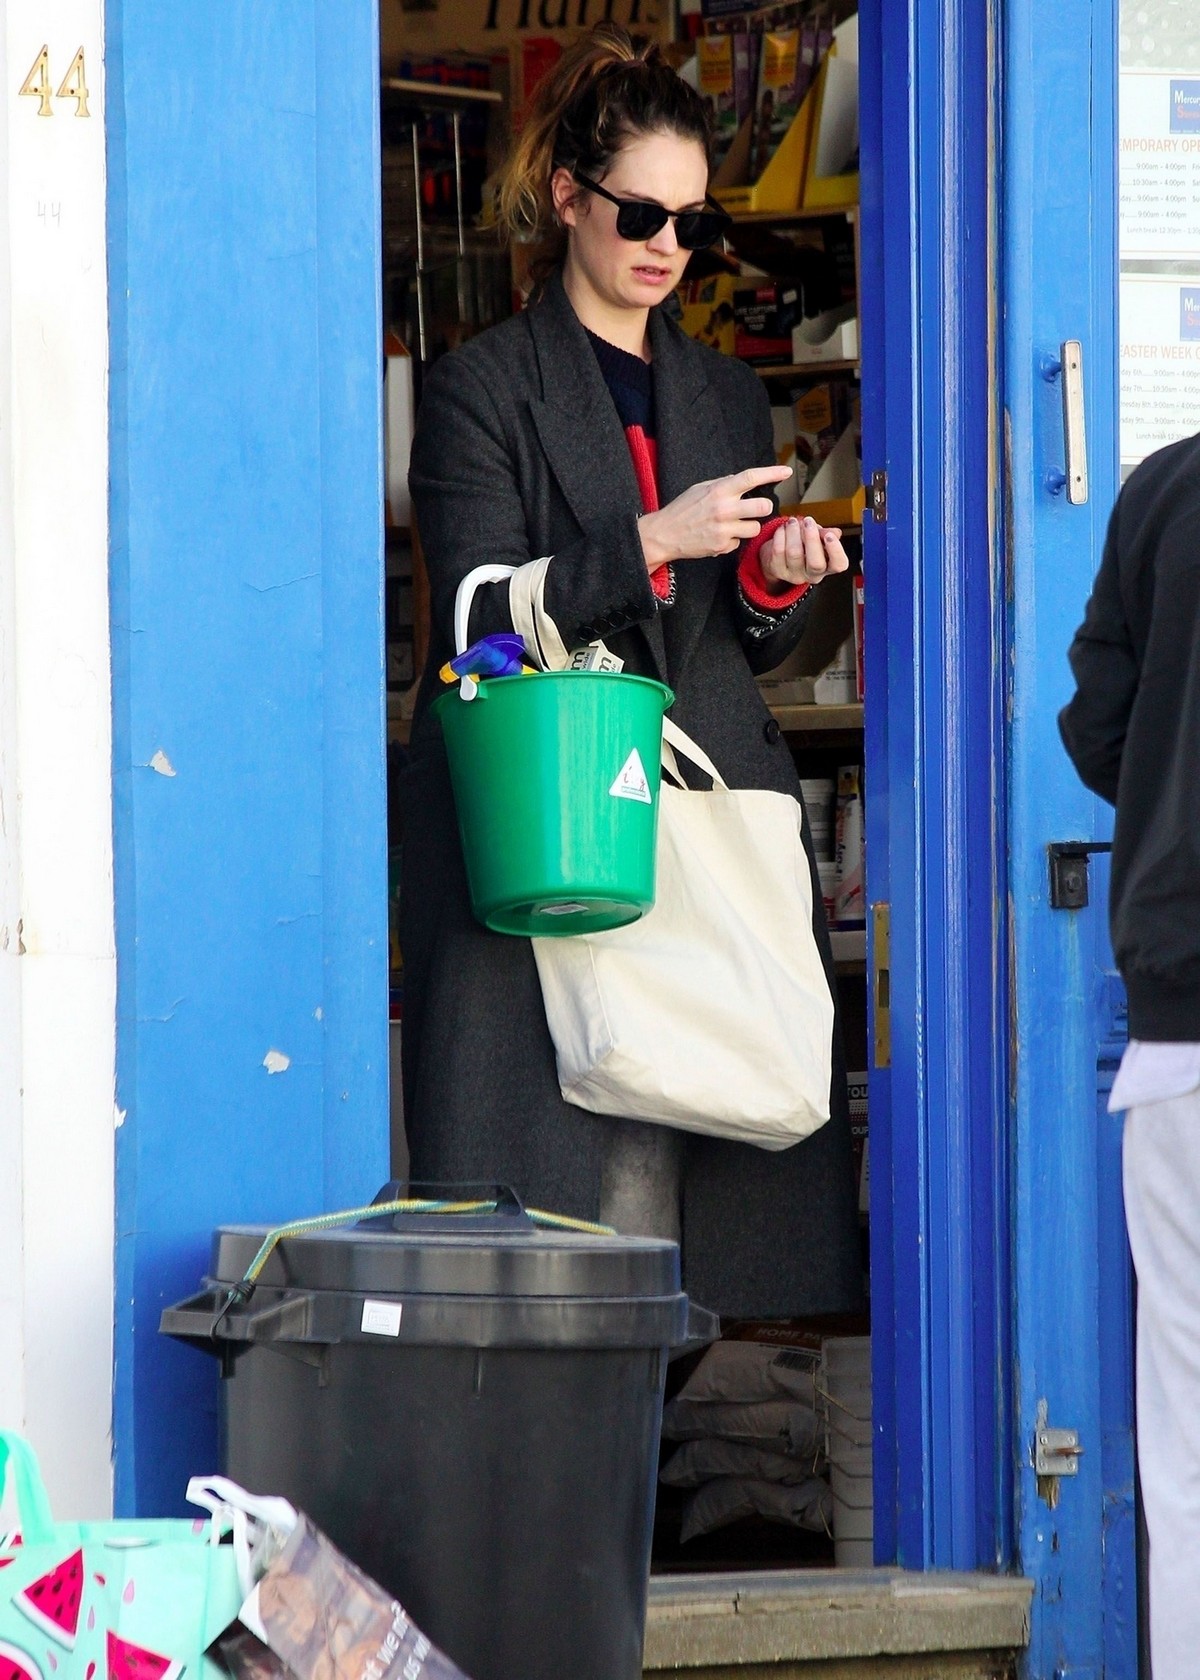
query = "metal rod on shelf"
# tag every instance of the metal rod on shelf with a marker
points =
(460, 274)
(416, 150)
(458, 184)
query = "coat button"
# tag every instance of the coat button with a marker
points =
(771, 731)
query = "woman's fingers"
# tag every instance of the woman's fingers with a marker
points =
(800, 551)
(835, 555)
(749, 507)
(813, 551)
(752, 477)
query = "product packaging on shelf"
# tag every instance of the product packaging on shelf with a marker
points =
(822, 414)
(778, 101)
(856, 1092)
(707, 311)
(850, 904)
(765, 315)
(714, 54)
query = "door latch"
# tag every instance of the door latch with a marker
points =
(881, 981)
(1069, 873)
(877, 497)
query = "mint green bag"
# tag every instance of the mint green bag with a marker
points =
(121, 1600)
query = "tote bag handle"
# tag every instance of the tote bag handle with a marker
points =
(18, 1464)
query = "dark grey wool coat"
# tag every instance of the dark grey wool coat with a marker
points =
(518, 453)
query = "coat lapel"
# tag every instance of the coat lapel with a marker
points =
(692, 446)
(584, 443)
(578, 427)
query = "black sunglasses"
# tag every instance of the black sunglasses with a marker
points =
(639, 219)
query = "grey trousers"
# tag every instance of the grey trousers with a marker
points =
(641, 1179)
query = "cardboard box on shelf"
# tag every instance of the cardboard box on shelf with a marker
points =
(826, 338)
(839, 475)
(831, 174)
(780, 184)
(821, 413)
(834, 494)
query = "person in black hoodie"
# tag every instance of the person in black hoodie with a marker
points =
(1133, 733)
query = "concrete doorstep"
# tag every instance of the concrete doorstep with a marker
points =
(836, 1624)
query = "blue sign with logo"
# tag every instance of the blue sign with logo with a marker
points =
(1189, 312)
(1185, 106)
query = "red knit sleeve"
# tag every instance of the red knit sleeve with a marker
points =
(753, 580)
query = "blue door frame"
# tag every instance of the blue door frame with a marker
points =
(935, 750)
(246, 586)
(248, 694)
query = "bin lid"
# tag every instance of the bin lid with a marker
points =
(503, 1252)
(492, 1276)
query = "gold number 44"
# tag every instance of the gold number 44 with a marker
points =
(37, 84)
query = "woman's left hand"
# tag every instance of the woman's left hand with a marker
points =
(801, 551)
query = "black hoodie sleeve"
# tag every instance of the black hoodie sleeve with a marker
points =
(1095, 723)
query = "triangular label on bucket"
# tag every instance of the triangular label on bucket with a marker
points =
(632, 783)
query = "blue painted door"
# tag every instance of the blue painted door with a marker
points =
(1071, 1274)
(1000, 1273)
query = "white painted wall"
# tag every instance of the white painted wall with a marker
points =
(57, 965)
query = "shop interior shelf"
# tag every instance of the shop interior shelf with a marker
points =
(815, 213)
(801, 720)
(432, 96)
(793, 720)
(807, 370)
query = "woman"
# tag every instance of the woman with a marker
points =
(591, 429)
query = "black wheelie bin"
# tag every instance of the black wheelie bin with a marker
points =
(469, 1404)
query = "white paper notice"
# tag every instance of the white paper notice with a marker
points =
(1160, 361)
(1160, 164)
(382, 1318)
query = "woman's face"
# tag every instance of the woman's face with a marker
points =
(664, 168)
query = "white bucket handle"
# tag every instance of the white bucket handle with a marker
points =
(462, 612)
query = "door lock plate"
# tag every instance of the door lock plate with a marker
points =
(1056, 1452)
(1069, 873)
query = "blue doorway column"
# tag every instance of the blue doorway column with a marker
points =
(935, 784)
(246, 579)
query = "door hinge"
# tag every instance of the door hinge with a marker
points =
(1056, 1452)
(881, 981)
(877, 496)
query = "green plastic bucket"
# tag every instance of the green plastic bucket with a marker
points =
(556, 780)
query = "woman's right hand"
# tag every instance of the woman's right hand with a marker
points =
(713, 517)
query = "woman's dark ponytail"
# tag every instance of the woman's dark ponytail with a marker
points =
(601, 93)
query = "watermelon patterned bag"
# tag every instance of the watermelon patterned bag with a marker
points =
(121, 1600)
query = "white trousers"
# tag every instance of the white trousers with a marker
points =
(1162, 1209)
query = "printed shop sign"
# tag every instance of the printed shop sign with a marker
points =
(1160, 361)
(489, 26)
(1160, 164)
